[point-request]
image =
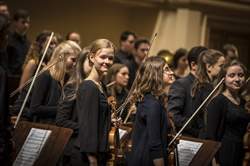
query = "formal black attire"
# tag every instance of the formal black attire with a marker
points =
(67, 117)
(94, 117)
(149, 139)
(180, 102)
(45, 97)
(128, 60)
(227, 123)
(17, 50)
(5, 127)
(199, 123)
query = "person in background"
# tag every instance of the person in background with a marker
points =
(125, 54)
(5, 126)
(231, 52)
(180, 63)
(141, 50)
(18, 45)
(74, 36)
(179, 97)
(35, 53)
(119, 74)
(4, 9)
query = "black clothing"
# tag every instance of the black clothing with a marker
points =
(67, 117)
(17, 49)
(180, 101)
(5, 126)
(227, 122)
(199, 124)
(127, 59)
(94, 117)
(149, 139)
(45, 97)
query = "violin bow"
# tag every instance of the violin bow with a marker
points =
(196, 112)
(33, 80)
(127, 100)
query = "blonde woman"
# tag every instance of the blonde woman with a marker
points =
(91, 103)
(47, 88)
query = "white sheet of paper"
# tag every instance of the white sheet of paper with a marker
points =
(32, 147)
(187, 151)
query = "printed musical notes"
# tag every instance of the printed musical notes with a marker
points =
(32, 147)
(187, 151)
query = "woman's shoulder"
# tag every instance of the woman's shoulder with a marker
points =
(88, 84)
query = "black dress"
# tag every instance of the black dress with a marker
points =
(67, 117)
(45, 97)
(149, 139)
(227, 122)
(94, 117)
(199, 124)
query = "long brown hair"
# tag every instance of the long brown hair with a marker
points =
(150, 79)
(209, 57)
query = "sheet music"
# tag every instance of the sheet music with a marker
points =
(187, 151)
(32, 147)
(122, 133)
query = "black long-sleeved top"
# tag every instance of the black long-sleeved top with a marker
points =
(180, 102)
(17, 49)
(199, 123)
(94, 118)
(227, 123)
(149, 139)
(66, 115)
(45, 97)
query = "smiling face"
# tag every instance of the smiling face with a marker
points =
(235, 78)
(103, 59)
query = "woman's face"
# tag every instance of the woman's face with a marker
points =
(168, 75)
(122, 77)
(86, 66)
(216, 68)
(235, 78)
(103, 59)
(182, 62)
(70, 61)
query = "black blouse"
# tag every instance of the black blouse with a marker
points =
(45, 97)
(149, 140)
(94, 118)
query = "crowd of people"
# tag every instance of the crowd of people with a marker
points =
(76, 82)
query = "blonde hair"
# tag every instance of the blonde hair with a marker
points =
(98, 44)
(59, 57)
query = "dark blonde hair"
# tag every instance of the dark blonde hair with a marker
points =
(59, 57)
(150, 79)
(99, 44)
(209, 57)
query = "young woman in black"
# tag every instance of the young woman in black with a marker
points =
(48, 86)
(227, 117)
(67, 114)
(94, 114)
(149, 139)
(210, 63)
